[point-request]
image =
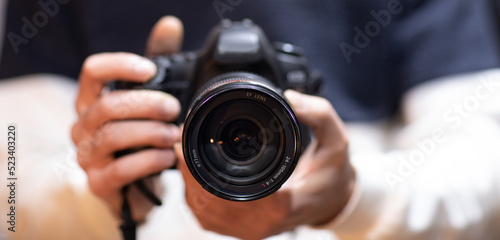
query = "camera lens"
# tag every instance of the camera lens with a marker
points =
(238, 144)
(241, 138)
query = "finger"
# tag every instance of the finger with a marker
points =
(86, 158)
(98, 150)
(137, 104)
(165, 37)
(319, 115)
(130, 134)
(181, 164)
(101, 68)
(130, 168)
(77, 133)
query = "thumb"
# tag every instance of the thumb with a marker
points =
(181, 162)
(318, 114)
(178, 152)
(165, 37)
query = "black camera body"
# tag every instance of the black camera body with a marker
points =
(241, 138)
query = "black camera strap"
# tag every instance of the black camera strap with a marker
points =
(129, 226)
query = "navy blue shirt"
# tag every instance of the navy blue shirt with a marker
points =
(370, 52)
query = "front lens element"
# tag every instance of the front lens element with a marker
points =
(238, 144)
(241, 138)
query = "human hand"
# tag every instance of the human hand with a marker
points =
(119, 120)
(317, 191)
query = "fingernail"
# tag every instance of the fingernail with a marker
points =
(175, 132)
(295, 98)
(170, 158)
(145, 68)
(172, 108)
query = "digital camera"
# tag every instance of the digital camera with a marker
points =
(241, 138)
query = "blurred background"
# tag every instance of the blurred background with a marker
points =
(395, 87)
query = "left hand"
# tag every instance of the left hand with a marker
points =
(317, 191)
(119, 120)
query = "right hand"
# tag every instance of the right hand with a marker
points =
(315, 194)
(120, 120)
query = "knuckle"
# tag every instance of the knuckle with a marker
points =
(104, 141)
(164, 137)
(324, 110)
(81, 162)
(169, 107)
(89, 66)
(108, 128)
(339, 151)
(75, 133)
(344, 143)
(104, 104)
(95, 185)
(109, 134)
(80, 105)
(85, 148)
(103, 110)
(98, 139)
(124, 104)
(117, 174)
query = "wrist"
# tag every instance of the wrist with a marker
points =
(321, 199)
(336, 204)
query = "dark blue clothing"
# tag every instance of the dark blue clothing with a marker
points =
(422, 40)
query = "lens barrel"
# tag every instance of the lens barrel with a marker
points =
(241, 138)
